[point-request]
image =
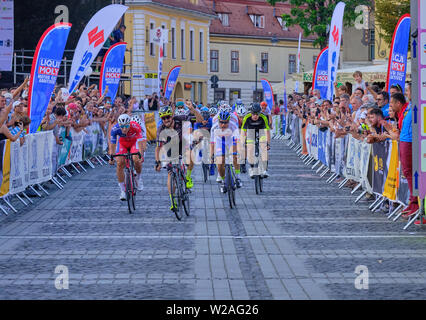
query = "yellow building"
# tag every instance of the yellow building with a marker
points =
(187, 22)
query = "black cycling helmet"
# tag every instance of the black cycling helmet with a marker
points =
(255, 108)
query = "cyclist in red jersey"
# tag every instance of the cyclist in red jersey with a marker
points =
(130, 139)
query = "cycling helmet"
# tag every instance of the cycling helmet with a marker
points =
(204, 109)
(241, 110)
(166, 111)
(224, 115)
(238, 102)
(213, 111)
(124, 120)
(263, 104)
(205, 115)
(255, 108)
(200, 106)
(137, 120)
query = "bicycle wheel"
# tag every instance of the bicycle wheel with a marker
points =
(129, 192)
(133, 187)
(256, 184)
(205, 172)
(176, 197)
(184, 195)
(229, 187)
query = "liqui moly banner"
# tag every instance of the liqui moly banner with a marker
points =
(296, 87)
(171, 81)
(334, 47)
(160, 67)
(320, 77)
(112, 66)
(91, 41)
(269, 94)
(44, 71)
(397, 67)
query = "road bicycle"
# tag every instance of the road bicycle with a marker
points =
(129, 179)
(179, 191)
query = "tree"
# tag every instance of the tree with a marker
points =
(314, 16)
(387, 15)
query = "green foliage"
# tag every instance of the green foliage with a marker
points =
(387, 15)
(313, 16)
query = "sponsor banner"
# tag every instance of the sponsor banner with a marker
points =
(151, 126)
(350, 169)
(6, 35)
(171, 81)
(334, 47)
(296, 87)
(5, 167)
(76, 150)
(44, 71)
(19, 173)
(397, 66)
(92, 40)
(65, 149)
(40, 156)
(111, 70)
(322, 145)
(339, 156)
(320, 76)
(390, 188)
(314, 142)
(308, 137)
(365, 167)
(403, 194)
(159, 36)
(380, 157)
(268, 93)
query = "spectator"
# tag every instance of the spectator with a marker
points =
(375, 119)
(119, 34)
(383, 103)
(359, 83)
(401, 107)
(26, 121)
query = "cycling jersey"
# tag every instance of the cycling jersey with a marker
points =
(127, 141)
(173, 132)
(224, 139)
(207, 126)
(261, 123)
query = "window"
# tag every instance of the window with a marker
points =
(283, 24)
(372, 44)
(200, 92)
(264, 60)
(314, 61)
(258, 21)
(291, 63)
(191, 45)
(151, 44)
(163, 26)
(182, 46)
(214, 60)
(173, 43)
(224, 18)
(201, 46)
(235, 61)
(193, 91)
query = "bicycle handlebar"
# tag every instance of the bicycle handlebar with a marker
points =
(127, 155)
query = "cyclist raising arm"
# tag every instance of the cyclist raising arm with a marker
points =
(174, 126)
(130, 139)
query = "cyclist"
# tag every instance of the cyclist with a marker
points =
(223, 138)
(254, 122)
(237, 104)
(233, 125)
(130, 139)
(172, 127)
(266, 111)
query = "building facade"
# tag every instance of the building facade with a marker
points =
(187, 23)
(250, 33)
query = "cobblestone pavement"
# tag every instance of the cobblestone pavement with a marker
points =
(301, 239)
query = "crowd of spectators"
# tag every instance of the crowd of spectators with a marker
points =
(370, 114)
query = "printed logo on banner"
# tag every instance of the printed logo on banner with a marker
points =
(96, 37)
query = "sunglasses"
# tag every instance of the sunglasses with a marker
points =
(255, 114)
(224, 122)
(125, 127)
(166, 118)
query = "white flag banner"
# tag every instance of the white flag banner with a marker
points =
(296, 87)
(159, 36)
(6, 35)
(334, 47)
(91, 41)
(40, 156)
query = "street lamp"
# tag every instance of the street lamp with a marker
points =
(257, 69)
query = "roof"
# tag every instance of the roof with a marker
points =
(240, 23)
(201, 7)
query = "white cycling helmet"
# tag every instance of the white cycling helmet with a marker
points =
(241, 110)
(124, 120)
(181, 112)
(137, 120)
